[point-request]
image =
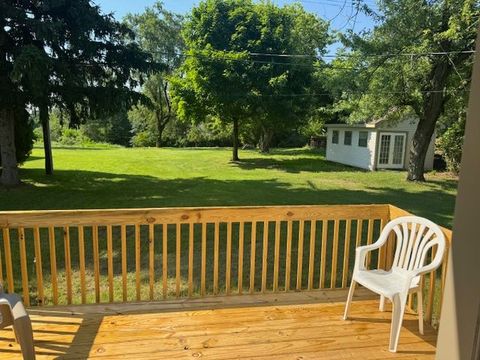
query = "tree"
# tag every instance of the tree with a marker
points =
(385, 81)
(286, 86)
(164, 49)
(212, 81)
(156, 114)
(232, 70)
(62, 53)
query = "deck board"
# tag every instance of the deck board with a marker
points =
(281, 326)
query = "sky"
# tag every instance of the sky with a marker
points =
(339, 12)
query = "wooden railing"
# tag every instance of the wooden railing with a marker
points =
(95, 256)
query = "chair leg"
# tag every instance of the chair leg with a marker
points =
(398, 303)
(420, 311)
(382, 303)
(7, 318)
(23, 330)
(349, 299)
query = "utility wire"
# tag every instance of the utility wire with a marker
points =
(333, 56)
(229, 57)
(327, 56)
(356, 93)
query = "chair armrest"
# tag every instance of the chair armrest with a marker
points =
(362, 251)
(361, 255)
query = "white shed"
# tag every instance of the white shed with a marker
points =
(375, 145)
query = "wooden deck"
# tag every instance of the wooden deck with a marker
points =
(304, 325)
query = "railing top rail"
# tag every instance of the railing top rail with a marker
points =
(88, 217)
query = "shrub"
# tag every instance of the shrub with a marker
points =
(143, 138)
(73, 137)
(451, 144)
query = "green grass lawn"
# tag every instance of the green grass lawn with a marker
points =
(112, 177)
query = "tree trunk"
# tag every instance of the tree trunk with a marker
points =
(8, 154)
(418, 151)
(235, 140)
(266, 140)
(161, 124)
(47, 144)
(432, 109)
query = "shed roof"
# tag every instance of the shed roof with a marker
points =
(369, 125)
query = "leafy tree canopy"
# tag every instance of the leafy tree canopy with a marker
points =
(231, 71)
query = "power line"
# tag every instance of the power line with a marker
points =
(230, 57)
(333, 56)
(356, 93)
(337, 3)
(325, 56)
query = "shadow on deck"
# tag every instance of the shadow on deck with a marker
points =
(293, 325)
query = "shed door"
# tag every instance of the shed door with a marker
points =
(391, 151)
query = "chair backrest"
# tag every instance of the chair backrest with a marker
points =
(416, 236)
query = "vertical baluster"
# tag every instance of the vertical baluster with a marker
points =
(276, 260)
(311, 257)
(382, 250)
(390, 251)
(228, 261)
(241, 233)
(81, 260)
(8, 259)
(96, 263)
(215, 257)
(323, 254)
(333, 277)
(151, 260)
(358, 241)
(165, 260)
(288, 260)
(68, 263)
(190, 260)
(110, 263)
(253, 246)
(137, 261)
(38, 265)
(346, 253)
(123, 236)
(178, 253)
(1, 270)
(204, 260)
(443, 275)
(369, 241)
(53, 264)
(431, 292)
(264, 256)
(301, 239)
(23, 267)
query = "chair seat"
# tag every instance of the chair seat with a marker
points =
(386, 283)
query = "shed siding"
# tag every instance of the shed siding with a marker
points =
(353, 155)
(366, 157)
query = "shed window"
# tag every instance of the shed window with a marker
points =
(362, 138)
(347, 140)
(335, 137)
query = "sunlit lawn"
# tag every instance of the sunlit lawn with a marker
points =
(149, 177)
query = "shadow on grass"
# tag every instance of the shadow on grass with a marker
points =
(296, 165)
(71, 189)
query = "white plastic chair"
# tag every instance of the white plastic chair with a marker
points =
(415, 237)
